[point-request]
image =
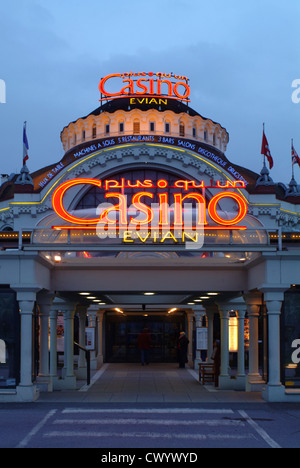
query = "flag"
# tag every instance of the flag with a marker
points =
(25, 146)
(295, 157)
(265, 150)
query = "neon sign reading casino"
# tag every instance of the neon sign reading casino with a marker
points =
(147, 87)
(171, 218)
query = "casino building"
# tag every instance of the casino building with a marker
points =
(145, 222)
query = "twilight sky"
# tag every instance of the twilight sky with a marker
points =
(241, 58)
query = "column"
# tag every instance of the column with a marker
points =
(44, 305)
(199, 312)
(67, 380)
(81, 370)
(190, 318)
(239, 306)
(100, 357)
(241, 376)
(53, 346)
(92, 313)
(254, 381)
(224, 378)
(69, 376)
(210, 312)
(27, 391)
(274, 391)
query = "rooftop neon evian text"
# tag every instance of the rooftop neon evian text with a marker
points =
(139, 200)
(156, 85)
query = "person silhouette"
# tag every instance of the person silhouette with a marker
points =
(144, 344)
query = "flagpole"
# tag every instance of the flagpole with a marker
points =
(24, 130)
(292, 145)
(263, 135)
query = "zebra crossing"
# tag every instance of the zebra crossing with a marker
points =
(127, 428)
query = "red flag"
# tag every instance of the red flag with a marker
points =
(295, 157)
(25, 146)
(265, 150)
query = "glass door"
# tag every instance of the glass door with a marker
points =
(122, 337)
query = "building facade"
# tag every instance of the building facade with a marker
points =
(144, 222)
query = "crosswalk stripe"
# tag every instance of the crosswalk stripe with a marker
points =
(159, 422)
(147, 411)
(259, 430)
(148, 435)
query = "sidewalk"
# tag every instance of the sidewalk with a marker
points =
(156, 383)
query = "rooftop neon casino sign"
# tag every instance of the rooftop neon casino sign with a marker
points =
(150, 88)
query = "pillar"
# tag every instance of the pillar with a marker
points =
(92, 314)
(27, 391)
(100, 357)
(254, 381)
(68, 375)
(82, 368)
(44, 305)
(67, 380)
(190, 318)
(210, 312)
(199, 312)
(53, 346)
(224, 378)
(241, 376)
(274, 390)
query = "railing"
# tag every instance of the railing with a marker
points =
(88, 361)
(45, 239)
(253, 239)
(171, 134)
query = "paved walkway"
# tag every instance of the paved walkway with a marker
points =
(156, 383)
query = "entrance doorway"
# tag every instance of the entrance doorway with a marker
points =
(122, 335)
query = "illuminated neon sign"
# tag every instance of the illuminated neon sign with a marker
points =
(152, 85)
(148, 213)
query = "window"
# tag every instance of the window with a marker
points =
(152, 126)
(205, 135)
(2, 352)
(121, 127)
(167, 127)
(107, 129)
(136, 127)
(75, 138)
(181, 130)
(94, 134)
(83, 135)
(214, 139)
(194, 132)
(9, 339)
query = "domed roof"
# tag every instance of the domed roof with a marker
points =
(160, 104)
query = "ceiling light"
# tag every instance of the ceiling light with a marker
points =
(198, 300)
(212, 294)
(84, 294)
(172, 310)
(149, 294)
(119, 310)
(57, 258)
(191, 303)
(91, 297)
(204, 297)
